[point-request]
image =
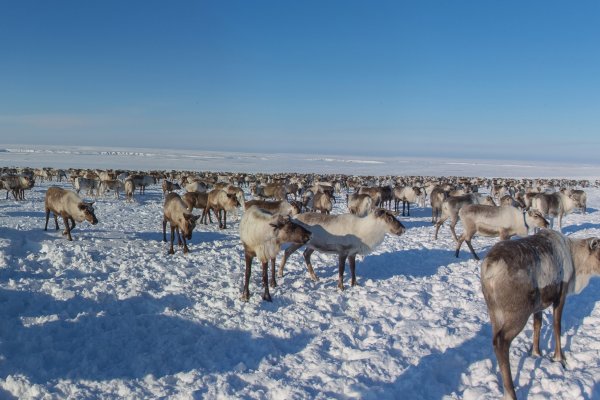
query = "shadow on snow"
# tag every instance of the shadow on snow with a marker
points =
(415, 262)
(121, 339)
(579, 227)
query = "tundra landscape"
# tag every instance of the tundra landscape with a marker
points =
(111, 314)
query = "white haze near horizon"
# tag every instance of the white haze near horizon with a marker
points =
(12, 155)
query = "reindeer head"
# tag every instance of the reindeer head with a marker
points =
(394, 226)
(232, 201)
(590, 261)
(288, 231)
(576, 200)
(88, 212)
(188, 225)
(296, 207)
(535, 219)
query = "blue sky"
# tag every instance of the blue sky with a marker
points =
(476, 79)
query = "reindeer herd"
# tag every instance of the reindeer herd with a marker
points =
(519, 277)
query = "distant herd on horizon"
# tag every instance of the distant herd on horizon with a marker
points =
(519, 277)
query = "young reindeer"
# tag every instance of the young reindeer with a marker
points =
(437, 197)
(219, 201)
(180, 221)
(453, 204)
(196, 200)
(262, 233)
(406, 195)
(168, 187)
(504, 221)
(523, 277)
(555, 205)
(70, 207)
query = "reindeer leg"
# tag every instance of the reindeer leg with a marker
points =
(307, 253)
(273, 281)
(352, 263)
(171, 251)
(47, 218)
(437, 227)
(502, 350)
(246, 290)
(459, 244)
(341, 268)
(179, 242)
(560, 222)
(67, 228)
(224, 219)
(185, 246)
(475, 256)
(164, 230)
(265, 281)
(557, 317)
(452, 226)
(537, 327)
(286, 254)
(55, 221)
(220, 218)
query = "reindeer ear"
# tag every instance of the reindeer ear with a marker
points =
(81, 206)
(279, 222)
(276, 225)
(594, 244)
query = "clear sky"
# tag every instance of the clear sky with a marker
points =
(478, 79)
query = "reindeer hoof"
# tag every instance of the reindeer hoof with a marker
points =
(560, 360)
(273, 284)
(245, 296)
(341, 286)
(267, 297)
(171, 252)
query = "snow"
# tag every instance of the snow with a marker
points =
(112, 315)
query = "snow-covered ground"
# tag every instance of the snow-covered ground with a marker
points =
(112, 315)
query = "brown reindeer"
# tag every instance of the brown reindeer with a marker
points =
(70, 207)
(180, 221)
(219, 201)
(523, 277)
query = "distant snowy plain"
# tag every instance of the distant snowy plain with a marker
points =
(112, 315)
